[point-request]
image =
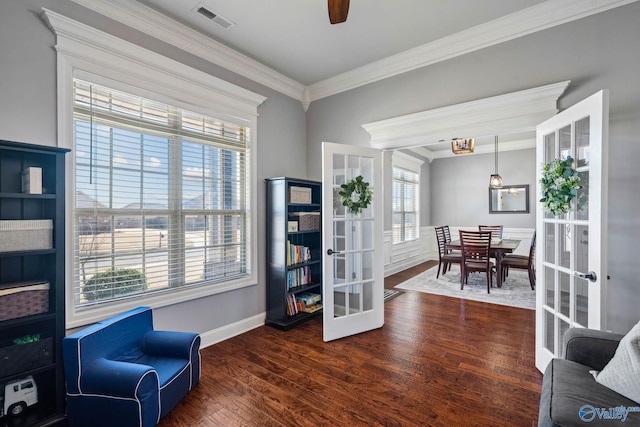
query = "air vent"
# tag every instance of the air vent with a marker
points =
(220, 20)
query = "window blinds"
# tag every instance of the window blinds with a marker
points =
(404, 205)
(161, 197)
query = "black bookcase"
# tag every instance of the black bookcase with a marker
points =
(302, 213)
(31, 344)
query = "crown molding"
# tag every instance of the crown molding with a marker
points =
(536, 18)
(502, 114)
(93, 51)
(161, 27)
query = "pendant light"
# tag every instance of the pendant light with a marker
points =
(496, 180)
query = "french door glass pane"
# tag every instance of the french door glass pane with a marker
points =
(549, 243)
(549, 147)
(562, 328)
(582, 142)
(340, 301)
(339, 237)
(565, 293)
(550, 287)
(566, 245)
(564, 138)
(549, 327)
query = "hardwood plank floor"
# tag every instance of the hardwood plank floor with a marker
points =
(437, 361)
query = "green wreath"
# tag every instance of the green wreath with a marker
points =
(560, 183)
(356, 195)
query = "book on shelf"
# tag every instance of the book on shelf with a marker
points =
(297, 254)
(298, 277)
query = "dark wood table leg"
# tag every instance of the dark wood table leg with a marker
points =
(499, 268)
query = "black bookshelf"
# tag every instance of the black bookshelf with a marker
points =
(281, 209)
(44, 265)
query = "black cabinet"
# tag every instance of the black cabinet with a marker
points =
(294, 251)
(32, 282)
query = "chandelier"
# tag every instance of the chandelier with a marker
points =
(463, 145)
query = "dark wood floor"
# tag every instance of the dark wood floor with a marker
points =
(437, 361)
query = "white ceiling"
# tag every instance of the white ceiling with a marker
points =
(295, 38)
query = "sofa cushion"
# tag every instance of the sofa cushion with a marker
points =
(622, 373)
(571, 396)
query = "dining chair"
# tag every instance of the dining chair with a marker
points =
(496, 230)
(445, 256)
(447, 233)
(476, 246)
(522, 262)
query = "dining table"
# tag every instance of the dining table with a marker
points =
(497, 249)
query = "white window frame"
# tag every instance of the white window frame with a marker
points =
(411, 164)
(92, 55)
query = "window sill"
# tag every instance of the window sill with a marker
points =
(92, 314)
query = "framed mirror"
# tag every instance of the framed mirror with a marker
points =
(509, 199)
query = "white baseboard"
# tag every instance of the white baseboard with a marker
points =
(229, 331)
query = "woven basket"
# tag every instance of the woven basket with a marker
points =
(308, 221)
(23, 299)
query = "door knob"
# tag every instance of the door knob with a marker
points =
(591, 276)
(332, 252)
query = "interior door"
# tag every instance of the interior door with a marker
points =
(571, 265)
(353, 276)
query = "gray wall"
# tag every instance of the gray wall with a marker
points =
(594, 53)
(597, 52)
(28, 106)
(460, 194)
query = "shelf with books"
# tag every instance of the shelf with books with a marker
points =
(294, 249)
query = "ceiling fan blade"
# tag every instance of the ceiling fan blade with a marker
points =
(338, 11)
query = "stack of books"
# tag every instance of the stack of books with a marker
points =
(297, 254)
(298, 277)
(303, 303)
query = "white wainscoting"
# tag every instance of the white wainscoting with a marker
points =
(405, 255)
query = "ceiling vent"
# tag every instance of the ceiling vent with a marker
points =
(220, 20)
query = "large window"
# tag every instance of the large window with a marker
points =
(405, 205)
(161, 197)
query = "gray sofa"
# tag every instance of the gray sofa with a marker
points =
(571, 396)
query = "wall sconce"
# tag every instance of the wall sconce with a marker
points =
(463, 146)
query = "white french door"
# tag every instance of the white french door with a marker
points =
(353, 276)
(571, 265)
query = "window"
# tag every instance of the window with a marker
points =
(161, 197)
(405, 205)
(165, 176)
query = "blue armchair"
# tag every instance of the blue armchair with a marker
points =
(120, 372)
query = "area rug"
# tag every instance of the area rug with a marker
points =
(515, 291)
(390, 294)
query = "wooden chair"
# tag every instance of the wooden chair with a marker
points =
(496, 230)
(476, 246)
(522, 262)
(447, 233)
(445, 256)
